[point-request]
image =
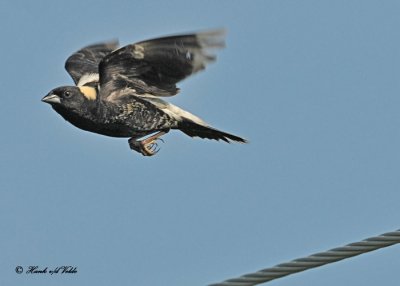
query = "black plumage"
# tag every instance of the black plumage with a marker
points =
(119, 92)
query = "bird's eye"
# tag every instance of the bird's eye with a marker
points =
(67, 94)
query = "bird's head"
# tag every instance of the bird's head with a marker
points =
(70, 97)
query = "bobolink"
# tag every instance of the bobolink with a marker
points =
(119, 91)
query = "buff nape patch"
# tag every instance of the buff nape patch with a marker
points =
(89, 92)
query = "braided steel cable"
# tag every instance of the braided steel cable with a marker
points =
(315, 260)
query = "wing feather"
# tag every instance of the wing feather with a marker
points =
(83, 66)
(156, 66)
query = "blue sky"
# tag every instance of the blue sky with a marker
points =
(314, 86)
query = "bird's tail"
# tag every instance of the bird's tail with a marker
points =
(194, 129)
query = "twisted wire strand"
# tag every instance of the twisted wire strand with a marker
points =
(314, 260)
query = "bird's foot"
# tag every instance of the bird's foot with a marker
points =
(148, 146)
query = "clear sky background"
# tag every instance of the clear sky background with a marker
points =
(314, 86)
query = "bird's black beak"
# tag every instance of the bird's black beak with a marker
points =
(51, 99)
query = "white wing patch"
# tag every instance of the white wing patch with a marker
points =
(138, 51)
(87, 78)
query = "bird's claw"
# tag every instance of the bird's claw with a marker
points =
(145, 147)
(150, 148)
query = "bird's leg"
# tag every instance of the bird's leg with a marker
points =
(148, 146)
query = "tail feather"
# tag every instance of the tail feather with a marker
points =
(196, 130)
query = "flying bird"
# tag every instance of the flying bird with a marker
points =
(119, 92)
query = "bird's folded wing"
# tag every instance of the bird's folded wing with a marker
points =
(83, 66)
(153, 67)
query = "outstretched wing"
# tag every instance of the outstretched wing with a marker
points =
(83, 66)
(154, 67)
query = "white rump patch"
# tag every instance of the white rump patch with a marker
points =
(173, 110)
